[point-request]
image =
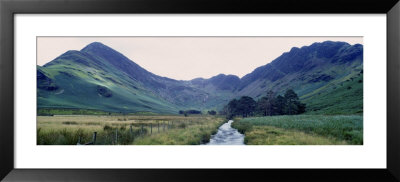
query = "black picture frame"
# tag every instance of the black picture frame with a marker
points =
(8, 8)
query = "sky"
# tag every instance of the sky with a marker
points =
(186, 58)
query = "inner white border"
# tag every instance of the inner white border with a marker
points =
(371, 155)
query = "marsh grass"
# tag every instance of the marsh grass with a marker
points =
(267, 135)
(69, 122)
(141, 130)
(191, 134)
(339, 129)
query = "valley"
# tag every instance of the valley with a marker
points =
(97, 92)
(100, 78)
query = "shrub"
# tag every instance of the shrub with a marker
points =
(242, 127)
(181, 125)
(107, 127)
(70, 123)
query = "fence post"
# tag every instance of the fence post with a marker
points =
(131, 129)
(94, 137)
(116, 136)
(158, 126)
(151, 128)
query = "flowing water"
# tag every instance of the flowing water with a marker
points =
(227, 135)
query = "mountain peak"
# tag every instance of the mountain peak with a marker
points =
(328, 43)
(95, 46)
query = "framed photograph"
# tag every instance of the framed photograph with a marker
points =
(178, 90)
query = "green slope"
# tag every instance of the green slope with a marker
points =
(344, 96)
(83, 83)
(320, 74)
(100, 78)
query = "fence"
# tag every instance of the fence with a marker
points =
(145, 129)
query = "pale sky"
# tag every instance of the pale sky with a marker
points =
(186, 58)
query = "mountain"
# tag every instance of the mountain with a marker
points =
(98, 77)
(219, 82)
(305, 68)
(312, 72)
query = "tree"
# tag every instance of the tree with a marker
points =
(267, 104)
(232, 108)
(291, 98)
(212, 112)
(280, 103)
(187, 112)
(262, 105)
(246, 106)
(193, 111)
(294, 106)
(301, 108)
(224, 110)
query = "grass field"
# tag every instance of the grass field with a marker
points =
(71, 111)
(126, 130)
(302, 130)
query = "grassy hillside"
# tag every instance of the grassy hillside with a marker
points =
(100, 78)
(304, 69)
(98, 90)
(344, 96)
(327, 76)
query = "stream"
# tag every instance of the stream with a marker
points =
(227, 135)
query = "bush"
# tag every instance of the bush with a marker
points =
(181, 125)
(107, 127)
(212, 112)
(70, 123)
(242, 127)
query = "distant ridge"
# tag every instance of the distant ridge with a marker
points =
(98, 77)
